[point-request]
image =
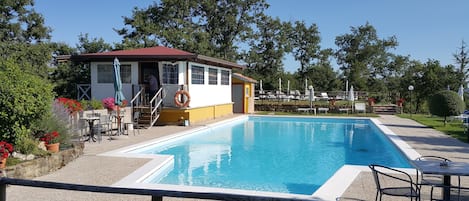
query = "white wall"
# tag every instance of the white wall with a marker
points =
(100, 91)
(205, 94)
(201, 94)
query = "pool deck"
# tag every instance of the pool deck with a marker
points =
(93, 169)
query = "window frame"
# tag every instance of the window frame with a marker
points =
(196, 77)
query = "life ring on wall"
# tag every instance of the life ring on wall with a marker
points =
(187, 100)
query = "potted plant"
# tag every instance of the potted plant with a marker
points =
(371, 101)
(5, 150)
(51, 141)
(109, 104)
(400, 102)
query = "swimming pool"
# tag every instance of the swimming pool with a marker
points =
(292, 155)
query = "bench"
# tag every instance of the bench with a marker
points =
(323, 109)
(306, 110)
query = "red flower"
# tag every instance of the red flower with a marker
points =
(371, 99)
(50, 138)
(72, 105)
(5, 149)
(401, 100)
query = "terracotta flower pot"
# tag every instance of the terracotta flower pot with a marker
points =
(3, 163)
(54, 148)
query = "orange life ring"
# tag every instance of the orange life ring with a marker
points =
(177, 99)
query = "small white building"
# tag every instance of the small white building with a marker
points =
(206, 80)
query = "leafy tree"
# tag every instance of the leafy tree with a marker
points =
(20, 23)
(93, 45)
(212, 28)
(32, 58)
(446, 103)
(462, 60)
(66, 75)
(264, 59)
(23, 100)
(305, 45)
(362, 55)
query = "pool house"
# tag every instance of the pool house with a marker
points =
(191, 87)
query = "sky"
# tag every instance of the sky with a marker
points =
(425, 29)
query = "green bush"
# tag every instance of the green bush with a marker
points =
(56, 119)
(91, 104)
(24, 98)
(446, 103)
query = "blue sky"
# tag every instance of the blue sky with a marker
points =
(425, 29)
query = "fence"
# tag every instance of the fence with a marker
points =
(156, 195)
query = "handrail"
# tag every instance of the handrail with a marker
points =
(154, 114)
(154, 193)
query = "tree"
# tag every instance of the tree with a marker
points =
(462, 60)
(66, 75)
(362, 55)
(446, 103)
(93, 45)
(23, 100)
(264, 59)
(305, 45)
(20, 23)
(212, 28)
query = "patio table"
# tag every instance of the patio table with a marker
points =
(90, 120)
(451, 169)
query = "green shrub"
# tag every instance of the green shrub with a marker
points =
(24, 98)
(446, 103)
(56, 119)
(91, 104)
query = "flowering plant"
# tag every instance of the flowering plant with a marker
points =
(71, 105)
(5, 149)
(371, 99)
(401, 100)
(50, 138)
(108, 103)
(124, 103)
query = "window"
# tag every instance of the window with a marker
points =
(170, 73)
(225, 77)
(106, 73)
(212, 76)
(197, 74)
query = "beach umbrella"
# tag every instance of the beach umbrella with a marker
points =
(351, 96)
(118, 95)
(461, 92)
(260, 87)
(280, 84)
(306, 85)
(312, 93)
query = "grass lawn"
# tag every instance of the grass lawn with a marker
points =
(453, 128)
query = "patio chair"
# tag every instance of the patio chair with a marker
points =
(393, 182)
(105, 122)
(324, 96)
(360, 107)
(134, 123)
(433, 180)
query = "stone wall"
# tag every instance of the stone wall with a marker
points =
(44, 165)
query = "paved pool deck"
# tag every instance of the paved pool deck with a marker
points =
(93, 169)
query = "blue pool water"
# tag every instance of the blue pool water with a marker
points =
(276, 154)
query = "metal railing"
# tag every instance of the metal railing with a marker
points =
(156, 195)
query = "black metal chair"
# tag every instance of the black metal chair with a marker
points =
(393, 182)
(435, 180)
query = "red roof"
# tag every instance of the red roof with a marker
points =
(153, 51)
(152, 54)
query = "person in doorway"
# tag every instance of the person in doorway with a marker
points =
(152, 85)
